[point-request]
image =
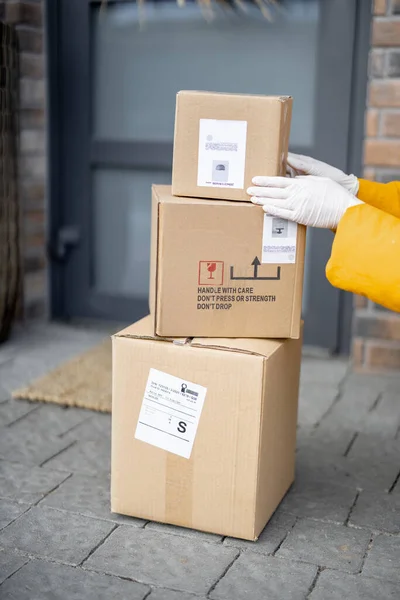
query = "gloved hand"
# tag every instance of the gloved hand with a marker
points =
(297, 164)
(311, 201)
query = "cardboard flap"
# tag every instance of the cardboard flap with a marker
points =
(144, 330)
(163, 195)
(257, 347)
(230, 95)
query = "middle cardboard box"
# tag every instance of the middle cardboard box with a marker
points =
(223, 269)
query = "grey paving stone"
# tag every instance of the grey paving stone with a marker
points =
(98, 426)
(333, 585)
(49, 419)
(316, 465)
(368, 446)
(383, 559)
(366, 470)
(384, 421)
(322, 437)
(87, 495)
(323, 500)
(11, 410)
(28, 446)
(351, 409)
(37, 349)
(375, 460)
(265, 577)
(381, 383)
(46, 532)
(163, 594)
(185, 532)
(364, 381)
(23, 370)
(4, 395)
(393, 384)
(314, 401)
(274, 532)
(27, 484)
(9, 511)
(6, 357)
(9, 563)
(92, 457)
(377, 511)
(334, 441)
(32, 336)
(374, 472)
(40, 580)
(164, 560)
(327, 372)
(337, 429)
(326, 545)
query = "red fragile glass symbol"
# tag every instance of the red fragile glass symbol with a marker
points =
(211, 267)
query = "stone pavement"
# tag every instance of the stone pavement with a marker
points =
(336, 534)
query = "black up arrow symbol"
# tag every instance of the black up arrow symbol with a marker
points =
(256, 263)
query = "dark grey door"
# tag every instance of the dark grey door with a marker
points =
(115, 73)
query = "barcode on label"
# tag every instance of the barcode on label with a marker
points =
(222, 147)
(280, 249)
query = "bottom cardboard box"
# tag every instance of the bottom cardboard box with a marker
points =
(203, 430)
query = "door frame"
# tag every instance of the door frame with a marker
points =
(69, 109)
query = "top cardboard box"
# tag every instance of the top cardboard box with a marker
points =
(223, 140)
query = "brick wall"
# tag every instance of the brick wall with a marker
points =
(376, 342)
(27, 16)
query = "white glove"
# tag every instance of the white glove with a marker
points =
(297, 164)
(311, 201)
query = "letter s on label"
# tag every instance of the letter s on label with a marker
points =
(182, 426)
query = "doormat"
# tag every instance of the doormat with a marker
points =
(84, 381)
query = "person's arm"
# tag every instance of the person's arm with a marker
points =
(385, 196)
(365, 256)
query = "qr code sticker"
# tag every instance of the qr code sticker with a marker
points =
(279, 228)
(220, 171)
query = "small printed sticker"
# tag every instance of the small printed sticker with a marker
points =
(279, 241)
(170, 413)
(222, 153)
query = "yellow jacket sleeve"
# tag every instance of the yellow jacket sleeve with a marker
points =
(365, 256)
(385, 196)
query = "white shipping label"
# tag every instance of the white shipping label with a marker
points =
(170, 413)
(222, 153)
(279, 241)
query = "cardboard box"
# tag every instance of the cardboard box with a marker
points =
(203, 431)
(223, 140)
(223, 269)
